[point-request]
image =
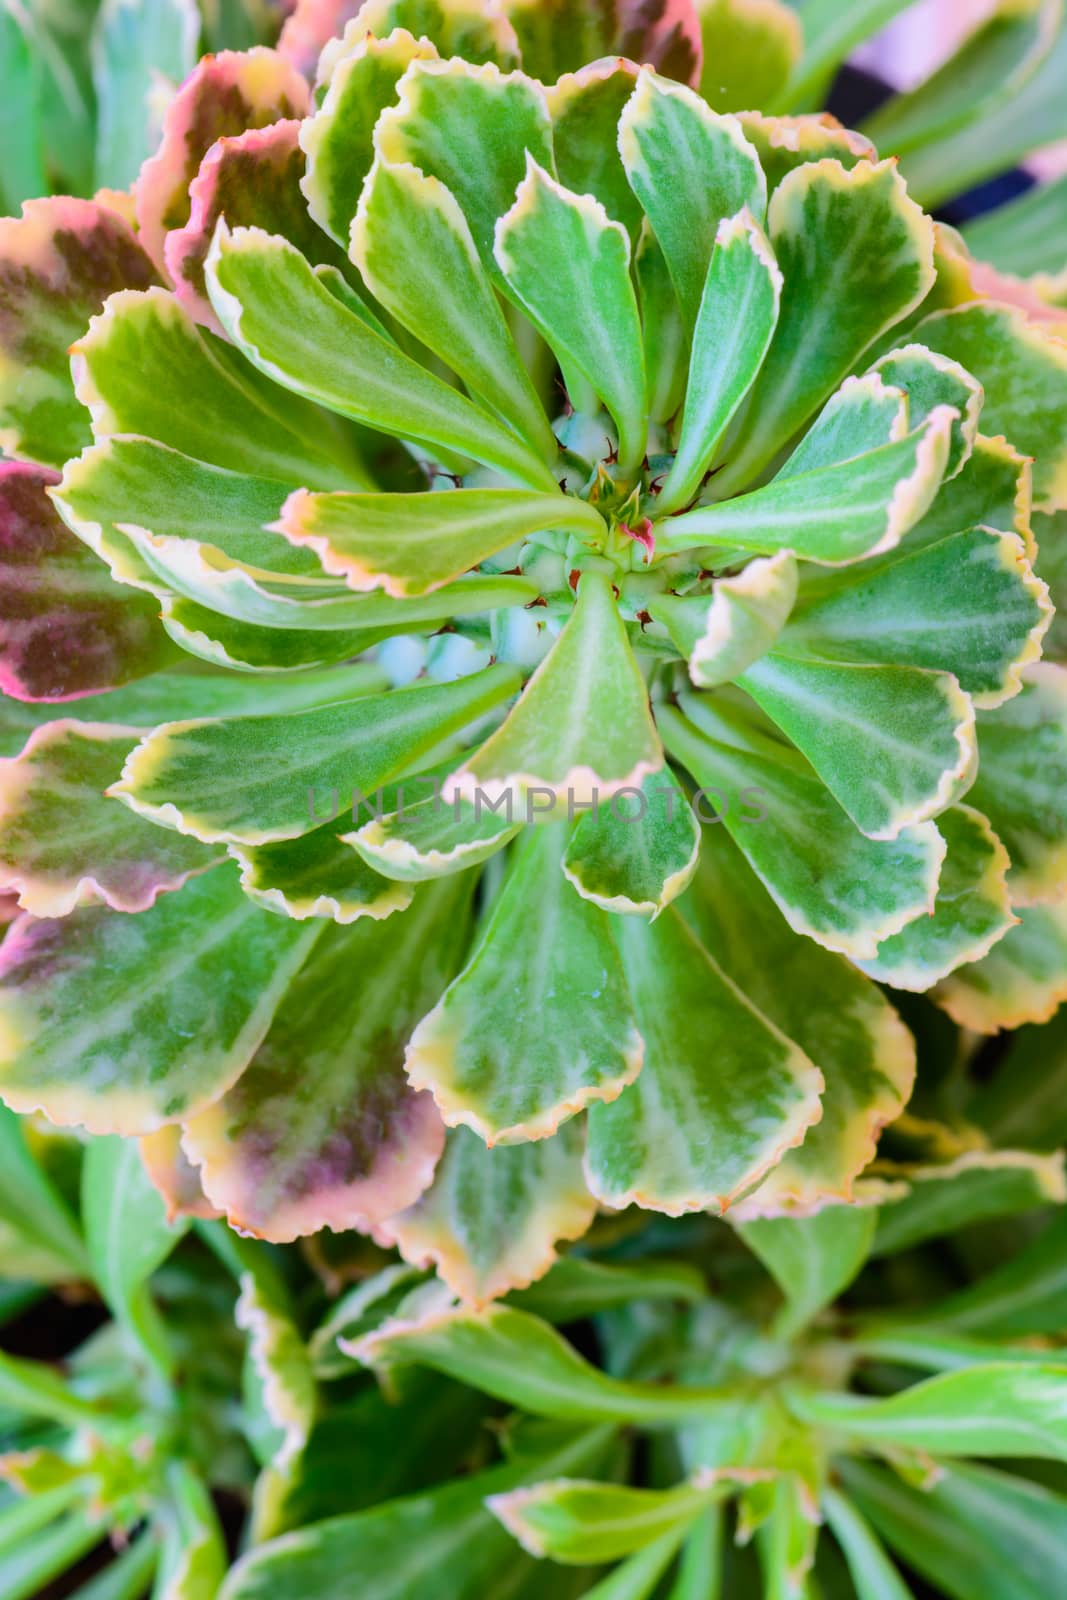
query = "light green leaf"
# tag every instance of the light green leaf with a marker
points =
(1023, 978)
(1026, 1295)
(248, 647)
(582, 728)
(499, 1052)
(971, 913)
(473, 128)
(30, 1568)
(750, 48)
(930, 380)
(322, 1129)
(832, 32)
(410, 544)
(812, 1259)
(828, 880)
(34, 1389)
(856, 254)
(21, 113)
(893, 745)
(140, 49)
(99, 1025)
(579, 1523)
(577, 1287)
(32, 1207)
(992, 489)
(734, 327)
(783, 143)
(492, 1219)
(193, 1560)
(414, 248)
(785, 1536)
(281, 1366)
(585, 107)
(727, 631)
(318, 348)
(128, 1237)
(637, 1578)
(521, 1360)
(1000, 1409)
(977, 1186)
(663, 329)
(640, 853)
(424, 838)
(253, 781)
(317, 875)
(1027, 235)
(467, 28)
(722, 1093)
(873, 1574)
(690, 168)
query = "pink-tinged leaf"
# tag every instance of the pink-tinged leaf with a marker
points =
(323, 1130)
(66, 627)
(254, 180)
(226, 95)
(310, 25)
(663, 33)
(173, 1174)
(106, 857)
(58, 264)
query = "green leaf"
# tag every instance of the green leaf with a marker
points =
(701, 1125)
(734, 327)
(842, 1021)
(832, 32)
(325, 352)
(414, 249)
(21, 115)
(568, 265)
(750, 49)
(400, 1549)
(828, 880)
(977, 1186)
(1026, 1295)
(58, 264)
(317, 875)
(699, 1574)
(125, 1577)
(99, 1028)
(322, 1128)
(1023, 371)
(144, 359)
(497, 1052)
(1022, 783)
(893, 745)
(577, 1287)
(524, 1362)
(1022, 979)
(281, 1366)
(467, 28)
(579, 1523)
(812, 1259)
(585, 107)
(492, 1219)
(873, 1574)
(338, 139)
(30, 1568)
(663, 330)
(690, 169)
(974, 1532)
(786, 1536)
(1000, 1409)
(1025, 236)
(725, 632)
(253, 781)
(473, 128)
(991, 489)
(34, 1389)
(410, 544)
(930, 380)
(783, 143)
(173, 1175)
(138, 49)
(424, 838)
(637, 1578)
(33, 1208)
(856, 254)
(193, 1561)
(248, 647)
(582, 728)
(128, 1237)
(635, 861)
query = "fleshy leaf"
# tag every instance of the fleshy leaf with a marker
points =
(783, 143)
(317, 875)
(281, 1366)
(663, 329)
(735, 324)
(1022, 783)
(635, 860)
(425, 838)
(582, 728)
(892, 744)
(66, 628)
(322, 1129)
(226, 94)
(977, 1186)
(722, 1092)
(144, 367)
(725, 632)
(1023, 371)
(254, 179)
(842, 1021)
(413, 543)
(872, 1572)
(1022, 979)
(498, 1052)
(581, 1523)
(173, 1175)
(832, 514)
(100, 1028)
(993, 489)
(832, 32)
(492, 1219)
(138, 51)
(322, 350)
(58, 264)
(856, 254)
(250, 647)
(972, 911)
(968, 604)
(414, 248)
(829, 881)
(568, 265)
(930, 380)
(690, 169)
(812, 1259)
(586, 106)
(473, 128)
(254, 781)
(339, 139)
(468, 28)
(106, 859)
(310, 26)
(750, 49)
(559, 36)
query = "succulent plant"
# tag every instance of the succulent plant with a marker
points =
(593, 543)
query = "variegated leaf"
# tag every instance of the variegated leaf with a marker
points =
(636, 854)
(1022, 979)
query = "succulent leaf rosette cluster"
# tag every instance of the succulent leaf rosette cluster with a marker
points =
(543, 575)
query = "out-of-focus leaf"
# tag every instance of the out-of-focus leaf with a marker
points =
(141, 50)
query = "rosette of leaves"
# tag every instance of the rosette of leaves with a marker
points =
(865, 1395)
(777, 549)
